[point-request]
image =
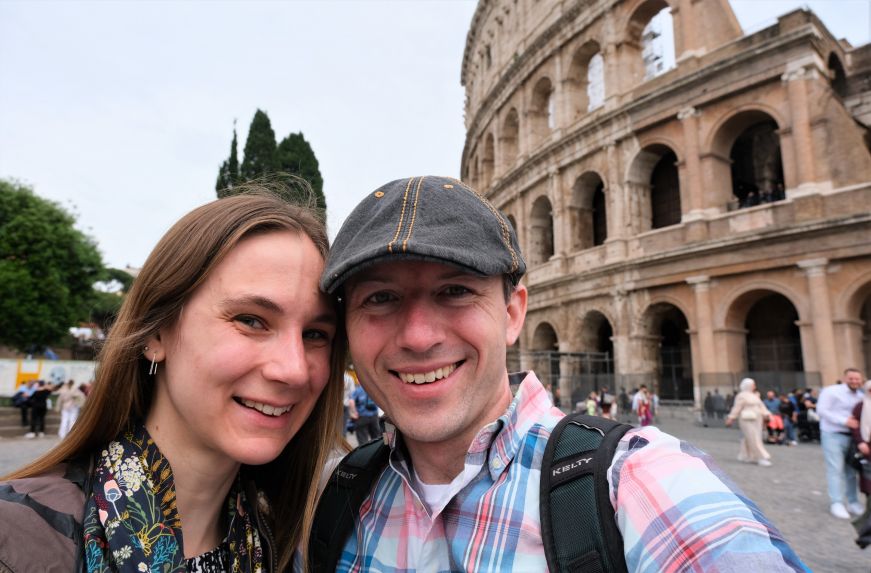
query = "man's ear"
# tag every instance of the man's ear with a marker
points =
(516, 314)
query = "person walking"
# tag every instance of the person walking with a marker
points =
(69, 401)
(364, 413)
(751, 413)
(835, 409)
(21, 400)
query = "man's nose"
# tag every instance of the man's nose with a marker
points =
(421, 327)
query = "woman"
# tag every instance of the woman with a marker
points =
(862, 437)
(751, 414)
(69, 402)
(216, 402)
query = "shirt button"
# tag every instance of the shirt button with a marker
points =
(497, 464)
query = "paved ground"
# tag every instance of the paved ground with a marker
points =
(791, 493)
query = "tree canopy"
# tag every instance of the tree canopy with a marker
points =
(263, 158)
(295, 156)
(259, 149)
(228, 175)
(47, 269)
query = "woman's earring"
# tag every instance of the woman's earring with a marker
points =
(153, 370)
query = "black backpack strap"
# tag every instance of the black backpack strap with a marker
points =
(340, 503)
(578, 528)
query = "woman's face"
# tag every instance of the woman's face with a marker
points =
(248, 357)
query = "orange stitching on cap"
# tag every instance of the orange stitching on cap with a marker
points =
(506, 232)
(401, 217)
(413, 213)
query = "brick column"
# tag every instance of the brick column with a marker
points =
(796, 88)
(689, 118)
(821, 316)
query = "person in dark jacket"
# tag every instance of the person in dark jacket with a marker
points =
(38, 407)
(215, 407)
(862, 439)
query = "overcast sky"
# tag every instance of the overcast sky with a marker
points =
(123, 111)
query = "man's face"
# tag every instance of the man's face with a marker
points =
(853, 380)
(770, 395)
(428, 341)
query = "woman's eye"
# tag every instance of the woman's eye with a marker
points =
(250, 321)
(314, 335)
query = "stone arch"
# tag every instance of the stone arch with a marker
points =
(856, 305)
(581, 81)
(724, 314)
(541, 111)
(753, 172)
(488, 157)
(544, 355)
(765, 339)
(654, 185)
(666, 349)
(587, 211)
(649, 40)
(509, 139)
(837, 76)
(541, 246)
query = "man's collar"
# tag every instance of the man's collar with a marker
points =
(498, 442)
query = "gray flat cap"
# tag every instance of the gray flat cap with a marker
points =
(436, 219)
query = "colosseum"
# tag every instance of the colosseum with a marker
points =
(693, 201)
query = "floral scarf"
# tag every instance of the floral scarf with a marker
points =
(131, 519)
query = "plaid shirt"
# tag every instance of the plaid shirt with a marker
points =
(676, 510)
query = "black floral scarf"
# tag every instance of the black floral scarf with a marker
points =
(131, 519)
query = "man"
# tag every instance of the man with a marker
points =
(835, 408)
(429, 274)
(606, 404)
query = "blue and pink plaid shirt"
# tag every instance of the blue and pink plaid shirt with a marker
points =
(676, 510)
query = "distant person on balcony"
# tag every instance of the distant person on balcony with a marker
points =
(835, 409)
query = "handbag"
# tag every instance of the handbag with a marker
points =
(749, 414)
(854, 458)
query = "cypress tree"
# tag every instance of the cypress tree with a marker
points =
(295, 155)
(228, 174)
(259, 149)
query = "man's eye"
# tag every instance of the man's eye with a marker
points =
(381, 297)
(250, 321)
(456, 290)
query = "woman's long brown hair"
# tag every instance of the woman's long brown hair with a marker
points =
(122, 390)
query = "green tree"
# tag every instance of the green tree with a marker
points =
(47, 269)
(228, 174)
(259, 149)
(296, 156)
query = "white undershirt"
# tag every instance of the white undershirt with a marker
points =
(437, 495)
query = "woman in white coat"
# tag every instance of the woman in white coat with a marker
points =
(751, 414)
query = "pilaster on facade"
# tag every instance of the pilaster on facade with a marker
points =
(821, 316)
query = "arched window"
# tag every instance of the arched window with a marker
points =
(542, 110)
(657, 40)
(541, 232)
(595, 82)
(487, 160)
(585, 81)
(837, 76)
(588, 212)
(508, 139)
(757, 168)
(665, 193)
